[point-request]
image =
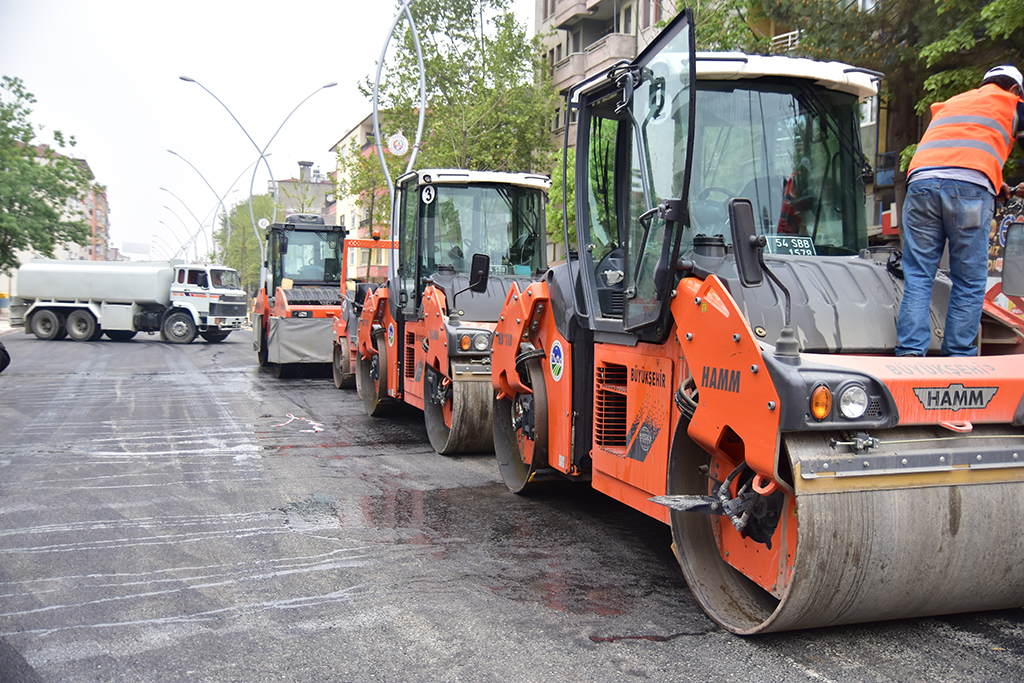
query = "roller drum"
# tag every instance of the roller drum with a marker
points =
(869, 555)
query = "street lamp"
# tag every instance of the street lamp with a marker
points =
(220, 200)
(181, 243)
(202, 228)
(262, 152)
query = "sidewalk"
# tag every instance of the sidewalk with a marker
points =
(5, 319)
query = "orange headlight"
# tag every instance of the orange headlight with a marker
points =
(465, 342)
(821, 402)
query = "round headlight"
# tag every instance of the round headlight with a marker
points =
(481, 342)
(853, 402)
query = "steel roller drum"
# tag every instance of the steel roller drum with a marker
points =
(895, 545)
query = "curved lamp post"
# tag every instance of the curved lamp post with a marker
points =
(181, 243)
(376, 98)
(221, 198)
(202, 228)
(262, 152)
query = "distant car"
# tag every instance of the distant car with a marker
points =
(5, 358)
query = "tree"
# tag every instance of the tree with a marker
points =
(489, 100)
(360, 174)
(725, 25)
(41, 190)
(982, 36)
(558, 208)
(243, 249)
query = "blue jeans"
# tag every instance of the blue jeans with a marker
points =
(937, 210)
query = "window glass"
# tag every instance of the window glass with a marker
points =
(312, 256)
(794, 152)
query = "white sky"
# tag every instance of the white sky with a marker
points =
(106, 71)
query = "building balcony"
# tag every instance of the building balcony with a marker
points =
(569, 12)
(569, 71)
(604, 52)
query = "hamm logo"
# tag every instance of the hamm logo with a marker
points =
(955, 397)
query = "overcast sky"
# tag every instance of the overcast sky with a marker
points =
(107, 72)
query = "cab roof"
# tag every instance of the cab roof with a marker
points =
(458, 176)
(733, 66)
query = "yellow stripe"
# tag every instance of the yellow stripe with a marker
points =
(907, 480)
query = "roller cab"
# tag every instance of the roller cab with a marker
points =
(364, 267)
(463, 238)
(718, 354)
(301, 296)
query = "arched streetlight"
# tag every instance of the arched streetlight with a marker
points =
(262, 152)
(181, 242)
(202, 228)
(220, 199)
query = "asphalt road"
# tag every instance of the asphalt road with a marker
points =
(161, 519)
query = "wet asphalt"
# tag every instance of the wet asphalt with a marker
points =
(163, 518)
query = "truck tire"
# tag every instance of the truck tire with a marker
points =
(214, 337)
(120, 335)
(47, 325)
(81, 325)
(178, 328)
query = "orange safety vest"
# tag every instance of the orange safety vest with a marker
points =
(971, 130)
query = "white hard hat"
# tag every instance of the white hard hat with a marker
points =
(1005, 70)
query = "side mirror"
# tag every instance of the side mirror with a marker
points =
(1013, 261)
(284, 243)
(746, 243)
(479, 269)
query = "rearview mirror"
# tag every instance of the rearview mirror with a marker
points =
(746, 244)
(479, 268)
(1013, 261)
(284, 243)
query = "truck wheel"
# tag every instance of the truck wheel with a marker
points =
(372, 378)
(81, 325)
(47, 324)
(178, 328)
(521, 433)
(214, 337)
(343, 379)
(120, 335)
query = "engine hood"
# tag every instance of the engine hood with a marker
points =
(840, 304)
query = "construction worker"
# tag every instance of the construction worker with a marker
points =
(955, 176)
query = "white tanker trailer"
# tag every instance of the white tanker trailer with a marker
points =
(86, 299)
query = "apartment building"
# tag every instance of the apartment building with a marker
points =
(371, 263)
(583, 37)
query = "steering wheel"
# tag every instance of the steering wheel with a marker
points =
(703, 194)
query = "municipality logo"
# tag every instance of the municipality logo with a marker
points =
(391, 334)
(556, 360)
(955, 397)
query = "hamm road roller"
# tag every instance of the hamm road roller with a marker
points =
(718, 354)
(464, 238)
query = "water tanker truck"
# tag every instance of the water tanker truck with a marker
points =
(718, 353)
(84, 300)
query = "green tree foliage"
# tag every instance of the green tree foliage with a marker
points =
(887, 39)
(557, 207)
(41, 189)
(727, 25)
(983, 35)
(361, 175)
(243, 249)
(489, 101)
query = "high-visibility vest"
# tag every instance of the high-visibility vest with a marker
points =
(972, 130)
